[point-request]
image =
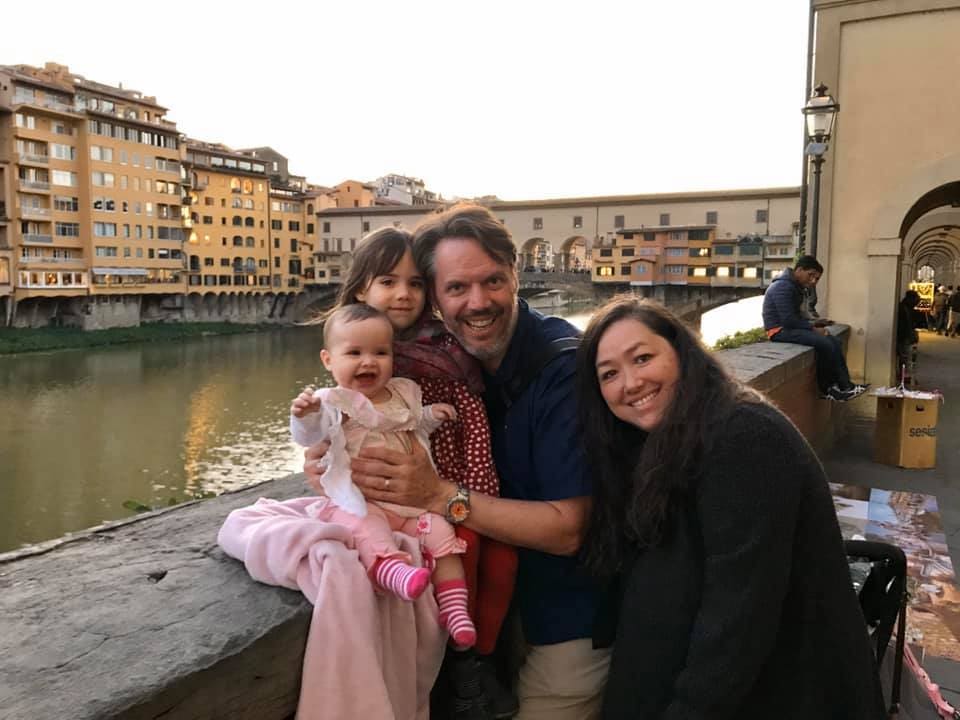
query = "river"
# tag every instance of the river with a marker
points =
(83, 431)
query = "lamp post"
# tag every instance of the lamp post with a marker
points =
(820, 112)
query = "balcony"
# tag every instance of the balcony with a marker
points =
(75, 261)
(34, 212)
(33, 159)
(35, 238)
(34, 185)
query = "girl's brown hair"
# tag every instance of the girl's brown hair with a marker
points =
(376, 254)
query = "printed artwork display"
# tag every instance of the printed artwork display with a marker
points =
(912, 522)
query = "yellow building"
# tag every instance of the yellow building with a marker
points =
(108, 216)
(92, 185)
(228, 249)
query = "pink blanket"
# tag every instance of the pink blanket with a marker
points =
(368, 655)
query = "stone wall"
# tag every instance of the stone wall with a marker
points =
(148, 618)
(99, 312)
(787, 375)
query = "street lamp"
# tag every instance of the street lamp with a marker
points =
(820, 112)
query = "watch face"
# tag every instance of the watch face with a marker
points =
(458, 511)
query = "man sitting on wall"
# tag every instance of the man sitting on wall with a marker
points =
(784, 321)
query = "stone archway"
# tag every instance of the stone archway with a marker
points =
(917, 223)
(573, 255)
(535, 254)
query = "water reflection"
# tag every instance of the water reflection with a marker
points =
(83, 431)
(724, 320)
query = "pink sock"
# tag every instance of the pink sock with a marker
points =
(452, 600)
(402, 579)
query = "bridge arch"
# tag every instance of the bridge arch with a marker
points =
(536, 253)
(572, 256)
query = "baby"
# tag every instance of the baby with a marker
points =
(371, 407)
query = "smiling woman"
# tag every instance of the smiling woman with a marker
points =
(713, 527)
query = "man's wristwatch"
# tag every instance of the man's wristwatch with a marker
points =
(458, 507)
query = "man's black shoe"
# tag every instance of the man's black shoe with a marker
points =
(503, 703)
(469, 700)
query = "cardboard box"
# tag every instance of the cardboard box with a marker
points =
(906, 432)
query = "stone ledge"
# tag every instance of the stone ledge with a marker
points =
(786, 373)
(148, 618)
(767, 365)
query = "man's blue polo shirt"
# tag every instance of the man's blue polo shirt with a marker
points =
(538, 454)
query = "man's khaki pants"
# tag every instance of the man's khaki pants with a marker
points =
(563, 681)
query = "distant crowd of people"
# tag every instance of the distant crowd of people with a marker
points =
(944, 315)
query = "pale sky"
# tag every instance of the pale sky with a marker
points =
(520, 98)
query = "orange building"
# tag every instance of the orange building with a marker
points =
(672, 255)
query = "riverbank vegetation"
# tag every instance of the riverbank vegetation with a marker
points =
(741, 338)
(23, 340)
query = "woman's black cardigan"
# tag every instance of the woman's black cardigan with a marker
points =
(745, 609)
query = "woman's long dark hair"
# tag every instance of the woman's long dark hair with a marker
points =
(640, 477)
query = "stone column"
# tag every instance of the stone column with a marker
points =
(883, 270)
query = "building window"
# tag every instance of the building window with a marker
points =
(578, 221)
(102, 229)
(700, 252)
(664, 219)
(626, 252)
(276, 224)
(761, 215)
(293, 226)
(624, 269)
(65, 204)
(102, 179)
(606, 252)
(63, 177)
(538, 223)
(605, 271)
(723, 250)
(310, 228)
(366, 226)
(62, 229)
(698, 234)
(63, 152)
(293, 245)
(711, 217)
(326, 227)
(618, 222)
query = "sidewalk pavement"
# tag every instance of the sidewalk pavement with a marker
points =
(850, 461)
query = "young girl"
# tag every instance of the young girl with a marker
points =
(371, 407)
